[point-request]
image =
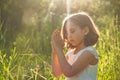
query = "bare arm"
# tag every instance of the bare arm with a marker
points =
(82, 62)
(56, 70)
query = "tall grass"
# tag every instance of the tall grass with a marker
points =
(23, 67)
(109, 49)
(24, 63)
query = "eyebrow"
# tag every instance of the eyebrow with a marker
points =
(72, 29)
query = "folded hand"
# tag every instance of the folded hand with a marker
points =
(57, 42)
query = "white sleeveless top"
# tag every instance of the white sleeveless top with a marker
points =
(90, 73)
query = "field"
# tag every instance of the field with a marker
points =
(22, 61)
(25, 35)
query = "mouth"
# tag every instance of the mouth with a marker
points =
(71, 42)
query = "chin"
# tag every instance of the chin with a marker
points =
(74, 45)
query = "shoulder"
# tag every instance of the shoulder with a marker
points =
(88, 50)
(92, 55)
(91, 50)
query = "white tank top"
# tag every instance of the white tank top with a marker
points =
(90, 73)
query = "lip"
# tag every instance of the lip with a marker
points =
(71, 41)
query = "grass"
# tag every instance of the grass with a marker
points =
(24, 67)
(23, 63)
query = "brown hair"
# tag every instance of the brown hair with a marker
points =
(83, 20)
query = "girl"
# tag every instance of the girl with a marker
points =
(79, 34)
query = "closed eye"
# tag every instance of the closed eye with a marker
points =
(72, 31)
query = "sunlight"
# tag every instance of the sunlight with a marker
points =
(69, 5)
(49, 9)
(29, 17)
(77, 4)
(68, 2)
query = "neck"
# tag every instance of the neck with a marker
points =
(78, 48)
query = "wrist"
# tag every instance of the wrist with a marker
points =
(59, 50)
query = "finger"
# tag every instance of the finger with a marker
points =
(53, 35)
(52, 44)
(53, 32)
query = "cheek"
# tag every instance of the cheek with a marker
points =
(80, 37)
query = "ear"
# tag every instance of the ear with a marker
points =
(86, 30)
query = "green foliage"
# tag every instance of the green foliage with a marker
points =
(23, 66)
(25, 54)
(109, 49)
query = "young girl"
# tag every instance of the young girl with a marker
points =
(79, 34)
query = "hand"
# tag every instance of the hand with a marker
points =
(57, 42)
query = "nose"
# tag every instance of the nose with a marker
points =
(69, 36)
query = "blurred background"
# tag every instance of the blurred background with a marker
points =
(25, 35)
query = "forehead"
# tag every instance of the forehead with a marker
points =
(71, 25)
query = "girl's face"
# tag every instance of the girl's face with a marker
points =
(75, 34)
